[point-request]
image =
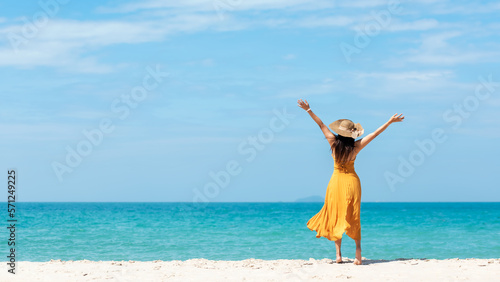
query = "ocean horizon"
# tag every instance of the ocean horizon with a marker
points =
(298, 200)
(146, 231)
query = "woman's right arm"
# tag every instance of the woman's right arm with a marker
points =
(368, 138)
(330, 137)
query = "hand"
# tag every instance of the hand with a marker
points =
(396, 118)
(303, 105)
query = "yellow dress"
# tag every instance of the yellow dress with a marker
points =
(340, 212)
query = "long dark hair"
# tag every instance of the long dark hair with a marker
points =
(343, 148)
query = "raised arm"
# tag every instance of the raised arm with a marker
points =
(330, 137)
(368, 138)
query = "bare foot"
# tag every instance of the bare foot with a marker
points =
(339, 259)
(358, 260)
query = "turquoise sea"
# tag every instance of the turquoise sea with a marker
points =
(237, 231)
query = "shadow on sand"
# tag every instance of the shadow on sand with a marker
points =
(374, 261)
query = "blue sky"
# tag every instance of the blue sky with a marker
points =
(175, 92)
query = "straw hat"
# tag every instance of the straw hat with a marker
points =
(347, 128)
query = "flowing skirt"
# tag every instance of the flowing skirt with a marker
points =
(341, 210)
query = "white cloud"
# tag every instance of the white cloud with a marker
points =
(423, 24)
(412, 75)
(466, 8)
(454, 58)
(216, 6)
(242, 5)
(51, 55)
(362, 3)
(433, 42)
(154, 4)
(325, 21)
(436, 50)
(429, 85)
(305, 22)
(64, 43)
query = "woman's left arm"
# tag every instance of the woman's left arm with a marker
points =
(328, 134)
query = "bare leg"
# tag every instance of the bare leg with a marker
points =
(358, 259)
(338, 244)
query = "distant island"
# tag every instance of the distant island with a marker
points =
(311, 199)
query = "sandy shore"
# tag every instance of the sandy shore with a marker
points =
(258, 270)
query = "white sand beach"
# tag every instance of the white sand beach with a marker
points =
(258, 270)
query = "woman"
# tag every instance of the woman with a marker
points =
(340, 212)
